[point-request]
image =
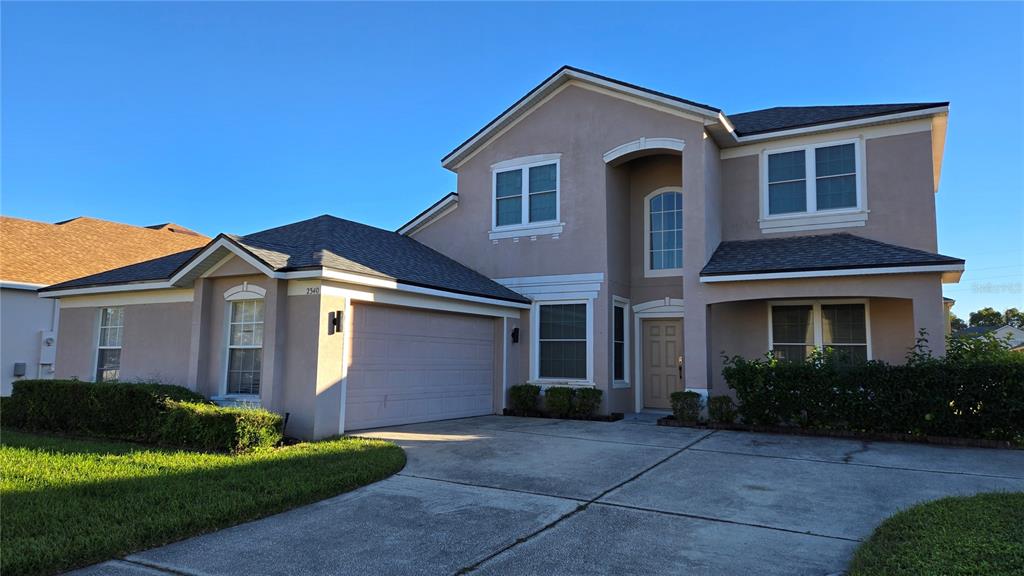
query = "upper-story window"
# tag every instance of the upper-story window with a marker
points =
(663, 232)
(108, 355)
(526, 193)
(813, 178)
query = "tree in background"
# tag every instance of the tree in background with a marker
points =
(956, 323)
(1013, 317)
(987, 316)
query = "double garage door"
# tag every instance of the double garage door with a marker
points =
(411, 365)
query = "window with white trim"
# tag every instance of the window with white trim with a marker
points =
(526, 195)
(664, 231)
(245, 347)
(562, 341)
(620, 346)
(816, 178)
(799, 328)
(108, 355)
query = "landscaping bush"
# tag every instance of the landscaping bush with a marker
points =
(975, 391)
(558, 401)
(524, 398)
(211, 428)
(721, 409)
(586, 402)
(686, 406)
(154, 413)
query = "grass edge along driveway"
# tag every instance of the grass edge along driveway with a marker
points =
(955, 536)
(70, 502)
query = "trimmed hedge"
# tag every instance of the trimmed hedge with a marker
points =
(975, 391)
(524, 398)
(721, 410)
(586, 402)
(686, 406)
(558, 401)
(152, 413)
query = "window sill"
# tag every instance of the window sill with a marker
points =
(620, 384)
(528, 230)
(814, 221)
(664, 273)
(237, 400)
(547, 383)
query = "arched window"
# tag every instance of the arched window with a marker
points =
(663, 232)
(245, 339)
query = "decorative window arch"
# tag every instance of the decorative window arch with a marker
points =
(663, 232)
(244, 291)
(244, 340)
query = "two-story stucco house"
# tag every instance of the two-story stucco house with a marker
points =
(602, 235)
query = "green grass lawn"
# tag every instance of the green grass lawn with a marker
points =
(71, 502)
(973, 535)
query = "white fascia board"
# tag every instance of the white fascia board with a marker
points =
(138, 286)
(831, 273)
(443, 208)
(843, 124)
(12, 285)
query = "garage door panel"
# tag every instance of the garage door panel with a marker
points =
(415, 366)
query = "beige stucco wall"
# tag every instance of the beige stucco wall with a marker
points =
(899, 187)
(581, 125)
(155, 345)
(76, 343)
(741, 329)
(647, 175)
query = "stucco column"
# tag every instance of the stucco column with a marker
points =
(198, 336)
(695, 345)
(930, 314)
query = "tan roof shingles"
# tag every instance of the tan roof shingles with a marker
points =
(43, 253)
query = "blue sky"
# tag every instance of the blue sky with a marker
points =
(236, 117)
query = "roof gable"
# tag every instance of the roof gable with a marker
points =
(552, 84)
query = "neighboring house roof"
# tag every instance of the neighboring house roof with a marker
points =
(977, 330)
(815, 253)
(42, 253)
(789, 117)
(725, 129)
(332, 243)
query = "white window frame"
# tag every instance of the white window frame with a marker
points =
(816, 319)
(812, 218)
(240, 293)
(663, 272)
(525, 227)
(99, 346)
(535, 344)
(623, 304)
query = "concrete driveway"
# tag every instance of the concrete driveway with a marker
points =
(502, 495)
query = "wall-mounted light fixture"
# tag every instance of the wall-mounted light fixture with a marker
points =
(335, 321)
(515, 335)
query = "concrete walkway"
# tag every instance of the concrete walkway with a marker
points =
(502, 495)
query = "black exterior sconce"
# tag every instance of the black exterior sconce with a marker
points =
(335, 321)
(515, 335)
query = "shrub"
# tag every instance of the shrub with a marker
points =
(524, 398)
(558, 401)
(721, 409)
(586, 402)
(210, 428)
(154, 413)
(686, 406)
(976, 391)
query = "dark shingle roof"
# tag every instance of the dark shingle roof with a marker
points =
(327, 241)
(820, 252)
(787, 117)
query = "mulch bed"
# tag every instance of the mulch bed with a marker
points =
(852, 434)
(613, 417)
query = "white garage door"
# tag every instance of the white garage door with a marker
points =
(412, 365)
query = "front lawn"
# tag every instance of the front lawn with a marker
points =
(955, 536)
(72, 502)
